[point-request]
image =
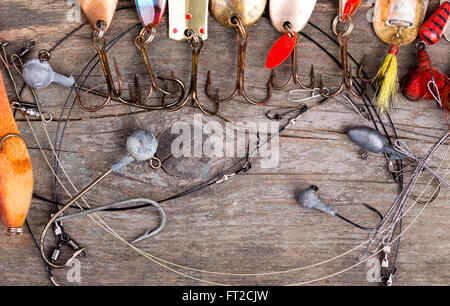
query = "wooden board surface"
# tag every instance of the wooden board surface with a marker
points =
(251, 223)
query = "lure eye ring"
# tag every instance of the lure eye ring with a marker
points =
(337, 20)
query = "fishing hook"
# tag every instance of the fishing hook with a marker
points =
(346, 68)
(310, 199)
(242, 38)
(294, 77)
(196, 43)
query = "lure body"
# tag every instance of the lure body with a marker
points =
(188, 14)
(371, 140)
(151, 11)
(432, 29)
(389, 15)
(248, 11)
(348, 8)
(297, 13)
(99, 10)
(16, 174)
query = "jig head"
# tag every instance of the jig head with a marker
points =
(188, 21)
(289, 17)
(309, 199)
(426, 82)
(347, 9)
(372, 141)
(238, 14)
(141, 146)
(38, 74)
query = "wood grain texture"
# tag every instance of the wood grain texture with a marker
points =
(251, 223)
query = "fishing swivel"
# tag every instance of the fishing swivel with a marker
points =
(346, 69)
(242, 38)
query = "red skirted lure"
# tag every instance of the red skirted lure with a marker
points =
(417, 83)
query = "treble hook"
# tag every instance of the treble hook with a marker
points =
(196, 43)
(346, 68)
(310, 199)
(141, 146)
(294, 78)
(242, 38)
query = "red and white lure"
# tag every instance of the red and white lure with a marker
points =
(424, 81)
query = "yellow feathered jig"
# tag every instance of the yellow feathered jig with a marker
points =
(387, 81)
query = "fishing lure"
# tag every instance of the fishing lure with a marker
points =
(372, 141)
(150, 14)
(396, 22)
(347, 8)
(238, 14)
(141, 146)
(99, 14)
(447, 26)
(16, 173)
(426, 82)
(289, 17)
